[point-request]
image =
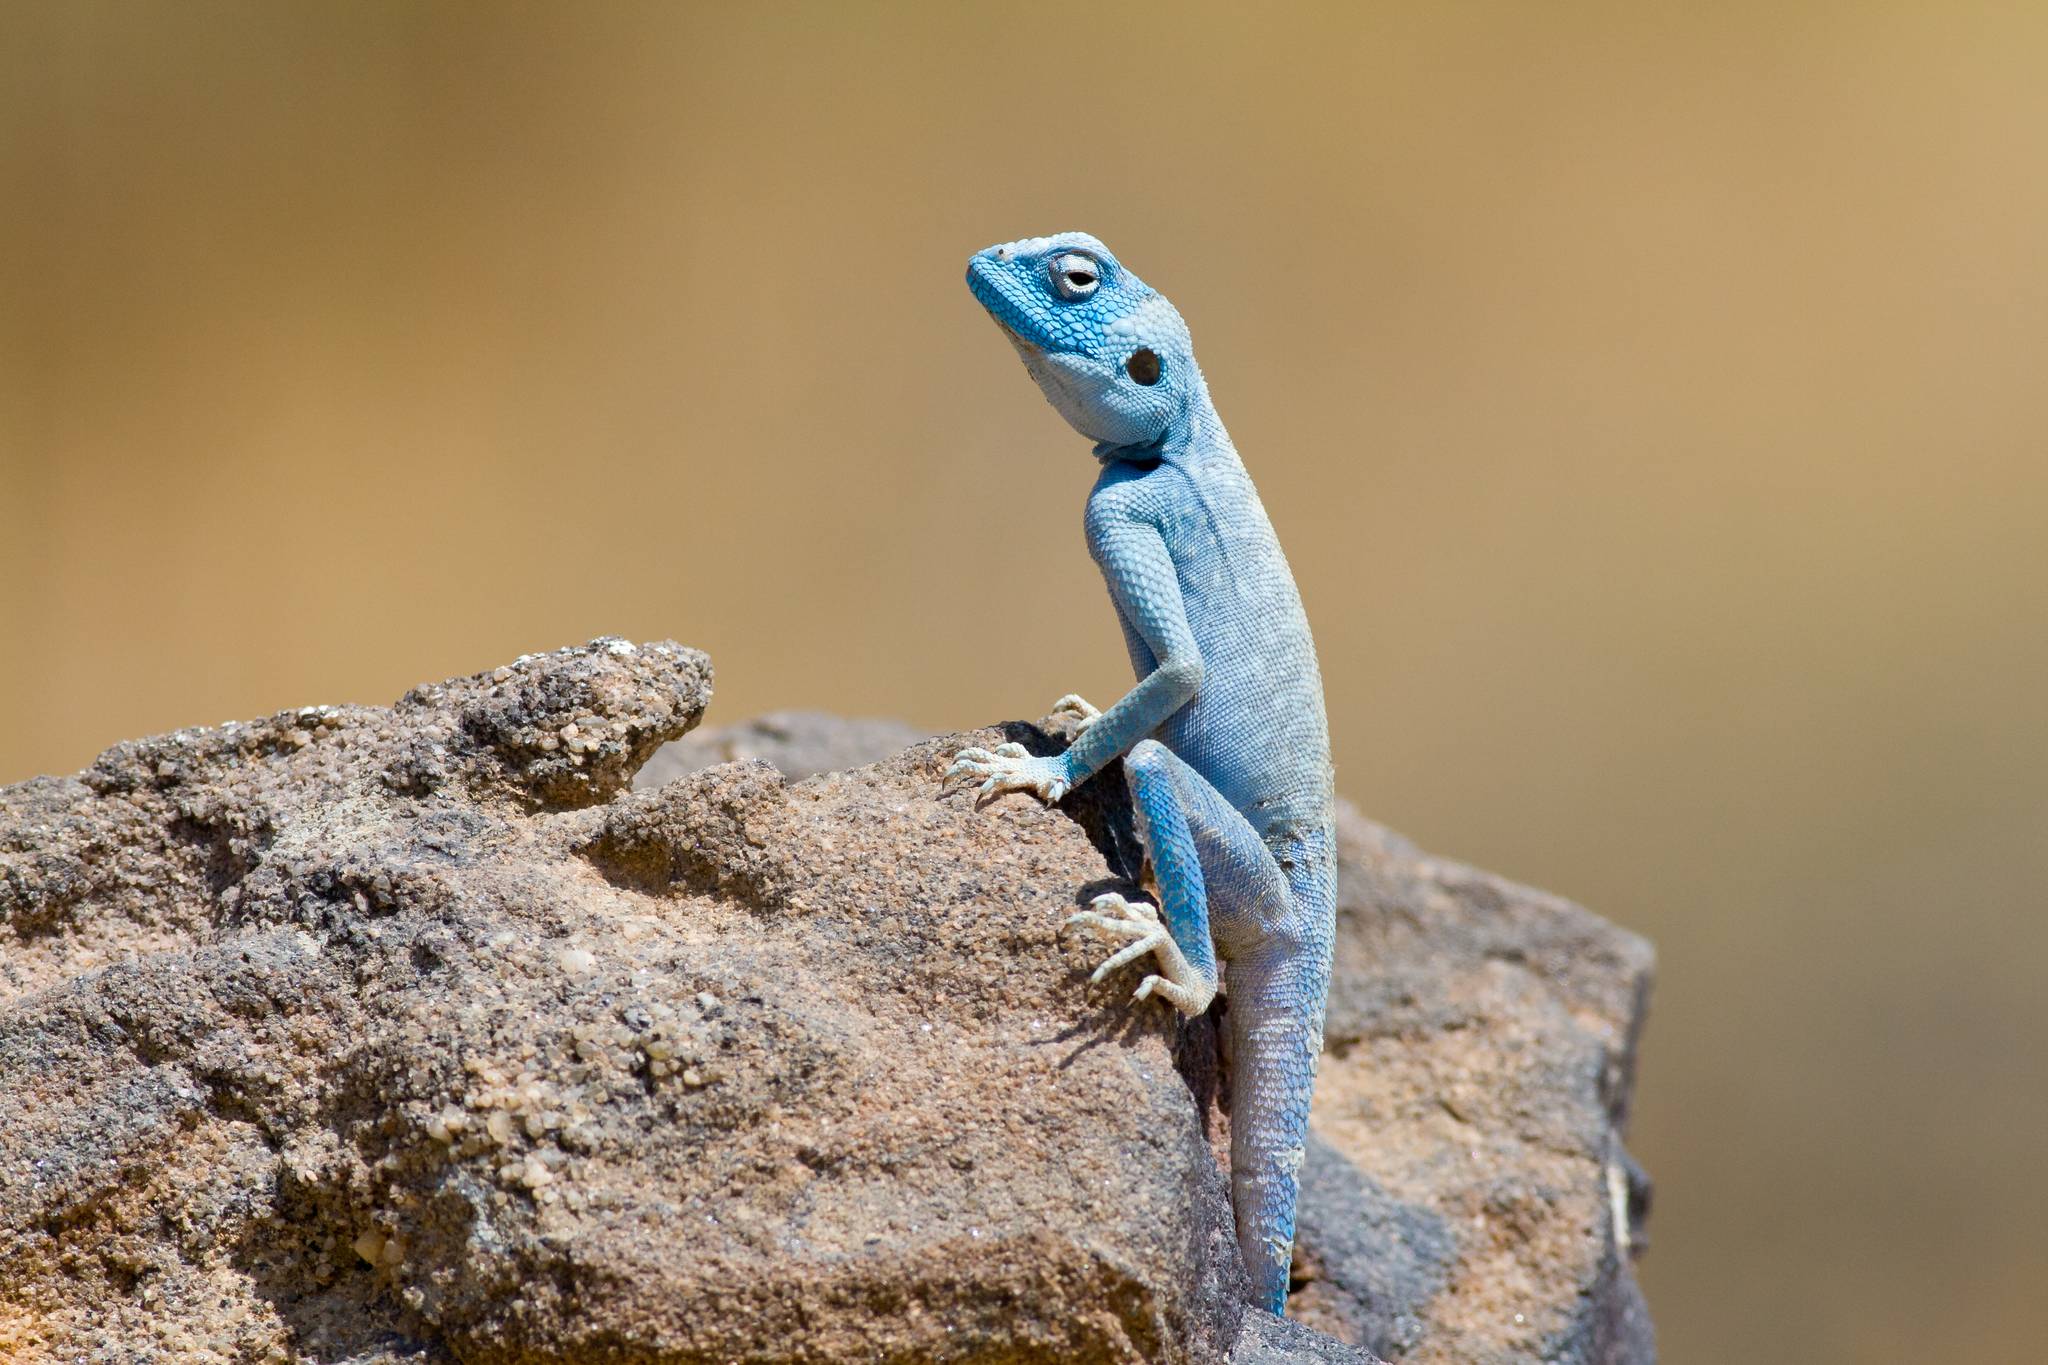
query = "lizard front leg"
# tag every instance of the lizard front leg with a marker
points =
(1145, 587)
(1011, 768)
(1078, 709)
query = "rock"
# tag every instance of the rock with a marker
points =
(1267, 1340)
(799, 744)
(1481, 1057)
(379, 1035)
(1470, 1200)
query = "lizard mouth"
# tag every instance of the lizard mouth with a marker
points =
(1006, 302)
(1017, 338)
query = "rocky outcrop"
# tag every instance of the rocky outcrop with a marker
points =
(1466, 1197)
(365, 1034)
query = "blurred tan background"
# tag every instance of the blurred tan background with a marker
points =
(1651, 399)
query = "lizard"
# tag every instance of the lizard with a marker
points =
(1224, 741)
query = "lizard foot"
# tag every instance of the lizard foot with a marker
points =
(1177, 982)
(1010, 768)
(1082, 711)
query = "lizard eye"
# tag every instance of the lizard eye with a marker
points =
(1075, 276)
(1144, 366)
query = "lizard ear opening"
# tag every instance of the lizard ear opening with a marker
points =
(1144, 366)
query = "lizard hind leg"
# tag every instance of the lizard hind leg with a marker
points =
(1179, 981)
(1221, 887)
(1178, 932)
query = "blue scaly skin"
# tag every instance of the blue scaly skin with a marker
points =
(1224, 741)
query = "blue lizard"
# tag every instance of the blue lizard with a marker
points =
(1224, 741)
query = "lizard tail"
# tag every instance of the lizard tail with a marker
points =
(1277, 993)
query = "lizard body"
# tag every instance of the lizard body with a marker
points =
(1224, 740)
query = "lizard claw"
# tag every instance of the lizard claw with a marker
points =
(1180, 985)
(1079, 709)
(1011, 768)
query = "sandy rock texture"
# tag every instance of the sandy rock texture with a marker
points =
(373, 1035)
(798, 744)
(1467, 1197)
(361, 1034)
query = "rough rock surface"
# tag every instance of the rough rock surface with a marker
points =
(1466, 1196)
(1469, 1199)
(376, 1035)
(798, 744)
(1267, 1340)
(358, 1034)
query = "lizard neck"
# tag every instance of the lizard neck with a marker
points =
(1194, 435)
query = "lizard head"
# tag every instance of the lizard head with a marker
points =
(1105, 347)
